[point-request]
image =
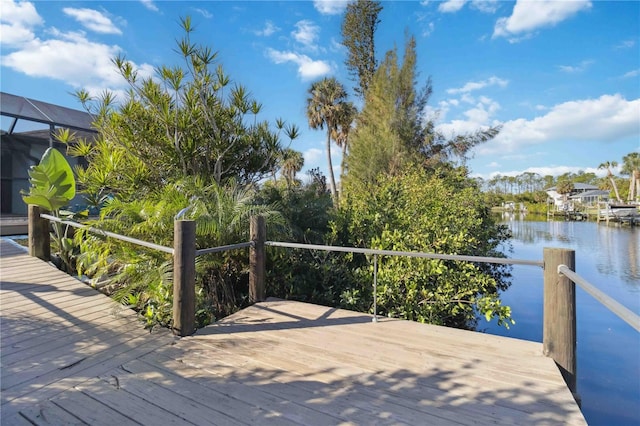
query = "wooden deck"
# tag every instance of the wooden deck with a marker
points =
(68, 358)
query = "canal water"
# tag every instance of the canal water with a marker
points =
(608, 348)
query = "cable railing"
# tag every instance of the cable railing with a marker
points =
(136, 241)
(613, 305)
(377, 252)
(184, 253)
(366, 251)
(139, 242)
(219, 249)
(560, 278)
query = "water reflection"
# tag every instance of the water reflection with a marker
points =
(634, 261)
(612, 250)
(608, 348)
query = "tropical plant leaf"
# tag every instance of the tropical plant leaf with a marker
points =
(52, 183)
(40, 200)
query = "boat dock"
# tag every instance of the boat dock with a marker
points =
(600, 213)
(627, 215)
(69, 355)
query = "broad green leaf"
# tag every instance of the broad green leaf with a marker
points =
(52, 183)
(38, 200)
(55, 163)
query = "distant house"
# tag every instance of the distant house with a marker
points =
(582, 193)
(28, 128)
(591, 197)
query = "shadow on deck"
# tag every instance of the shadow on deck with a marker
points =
(68, 359)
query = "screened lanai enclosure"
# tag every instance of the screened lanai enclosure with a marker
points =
(28, 129)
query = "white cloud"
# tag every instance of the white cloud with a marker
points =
(307, 67)
(92, 20)
(467, 98)
(317, 157)
(205, 13)
(71, 58)
(483, 111)
(631, 74)
(17, 22)
(528, 16)
(439, 114)
(15, 35)
(149, 4)
(478, 117)
(605, 119)
(428, 29)
(485, 6)
(625, 44)
(268, 29)
(313, 157)
(451, 6)
(476, 85)
(23, 12)
(330, 7)
(306, 33)
(336, 46)
(572, 69)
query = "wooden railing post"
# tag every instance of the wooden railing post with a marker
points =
(559, 323)
(39, 238)
(184, 277)
(258, 231)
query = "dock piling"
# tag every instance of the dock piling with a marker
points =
(559, 322)
(184, 277)
(39, 238)
(258, 232)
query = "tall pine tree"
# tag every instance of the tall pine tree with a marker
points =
(389, 129)
(392, 129)
(358, 30)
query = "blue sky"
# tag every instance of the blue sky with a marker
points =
(561, 77)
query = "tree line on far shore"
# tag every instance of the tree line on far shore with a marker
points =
(531, 187)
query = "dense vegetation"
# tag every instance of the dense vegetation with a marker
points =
(189, 143)
(432, 211)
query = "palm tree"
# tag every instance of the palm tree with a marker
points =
(291, 162)
(340, 133)
(564, 188)
(608, 165)
(631, 167)
(324, 104)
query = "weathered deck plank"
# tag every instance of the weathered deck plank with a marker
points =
(46, 414)
(315, 392)
(89, 410)
(309, 354)
(57, 333)
(67, 358)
